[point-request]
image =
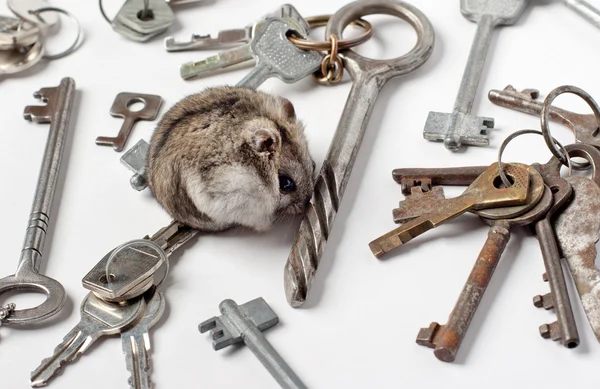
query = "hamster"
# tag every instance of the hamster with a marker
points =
(229, 157)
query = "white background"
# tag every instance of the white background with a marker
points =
(358, 327)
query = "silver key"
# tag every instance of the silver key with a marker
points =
(16, 33)
(136, 342)
(233, 37)
(98, 318)
(132, 23)
(277, 56)
(585, 10)
(460, 127)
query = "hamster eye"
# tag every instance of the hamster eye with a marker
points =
(286, 184)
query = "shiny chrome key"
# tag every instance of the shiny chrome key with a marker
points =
(98, 318)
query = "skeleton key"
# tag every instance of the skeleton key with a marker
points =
(98, 318)
(136, 341)
(584, 127)
(460, 127)
(131, 273)
(484, 192)
(368, 76)
(233, 37)
(446, 339)
(277, 57)
(578, 230)
(121, 109)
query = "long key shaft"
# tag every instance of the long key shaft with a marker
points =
(585, 10)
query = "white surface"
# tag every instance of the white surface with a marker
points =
(358, 328)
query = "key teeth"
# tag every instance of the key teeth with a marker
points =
(546, 301)
(551, 331)
(426, 335)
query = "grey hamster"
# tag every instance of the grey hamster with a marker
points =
(228, 157)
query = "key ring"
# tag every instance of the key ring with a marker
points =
(512, 136)
(544, 118)
(78, 39)
(332, 67)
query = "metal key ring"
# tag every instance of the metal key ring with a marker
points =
(342, 44)
(512, 136)
(544, 118)
(78, 39)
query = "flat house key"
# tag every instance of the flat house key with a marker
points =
(446, 339)
(121, 109)
(369, 76)
(483, 193)
(584, 127)
(233, 37)
(277, 56)
(578, 231)
(460, 127)
(98, 318)
(57, 112)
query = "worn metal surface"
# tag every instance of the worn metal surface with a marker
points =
(245, 324)
(135, 160)
(584, 127)
(15, 61)
(121, 109)
(428, 177)
(413, 205)
(460, 127)
(368, 76)
(160, 16)
(57, 112)
(564, 329)
(481, 194)
(446, 339)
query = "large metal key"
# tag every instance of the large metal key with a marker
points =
(57, 112)
(245, 324)
(98, 318)
(460, 127)
(484, 192)
(585, 10)
(584, 127)
(446, 339)
(136, 342)
(368, 76)
(277, 56)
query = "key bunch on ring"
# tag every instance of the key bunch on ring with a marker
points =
(22, 38)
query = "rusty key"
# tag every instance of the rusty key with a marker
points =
(484, 192)
(584, 127)
(121, 108)
(446, 339)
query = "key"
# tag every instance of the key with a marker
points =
(221, 62)
(15, 61)
(446, 339)
(121, 109)
(585, 10)
(245, 323)
(132, 271)
(234, 37)
(98, 318)
(133, 24)
(277, 57)
(135, 160)
(57, 111)
(426, 178)
(420, 201)
(369, 76)
(484, 192)
(460, 127)
(136, 342)
(17, 33)
(584, 127)
(564, 328)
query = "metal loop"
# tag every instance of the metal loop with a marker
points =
(344, 44)
(512, 136)
(544, 118)
(78, 39)
(144, 242)
(104, 13)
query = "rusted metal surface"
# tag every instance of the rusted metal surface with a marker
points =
(584, 127)
(564, 329)
(481, 194)
(426, 178)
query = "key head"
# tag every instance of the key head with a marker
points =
(131, 272)
(456, 129)
(16, 33)
(274, 51)
(135, 160)
(504, 12)
(121, 107)
(158, 18)
(488, 187)
(538, 212)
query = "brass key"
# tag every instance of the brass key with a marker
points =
(485, 192)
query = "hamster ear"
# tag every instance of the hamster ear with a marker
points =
(264, 140)
(288, 108)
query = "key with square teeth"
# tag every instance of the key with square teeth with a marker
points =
(245, 323)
